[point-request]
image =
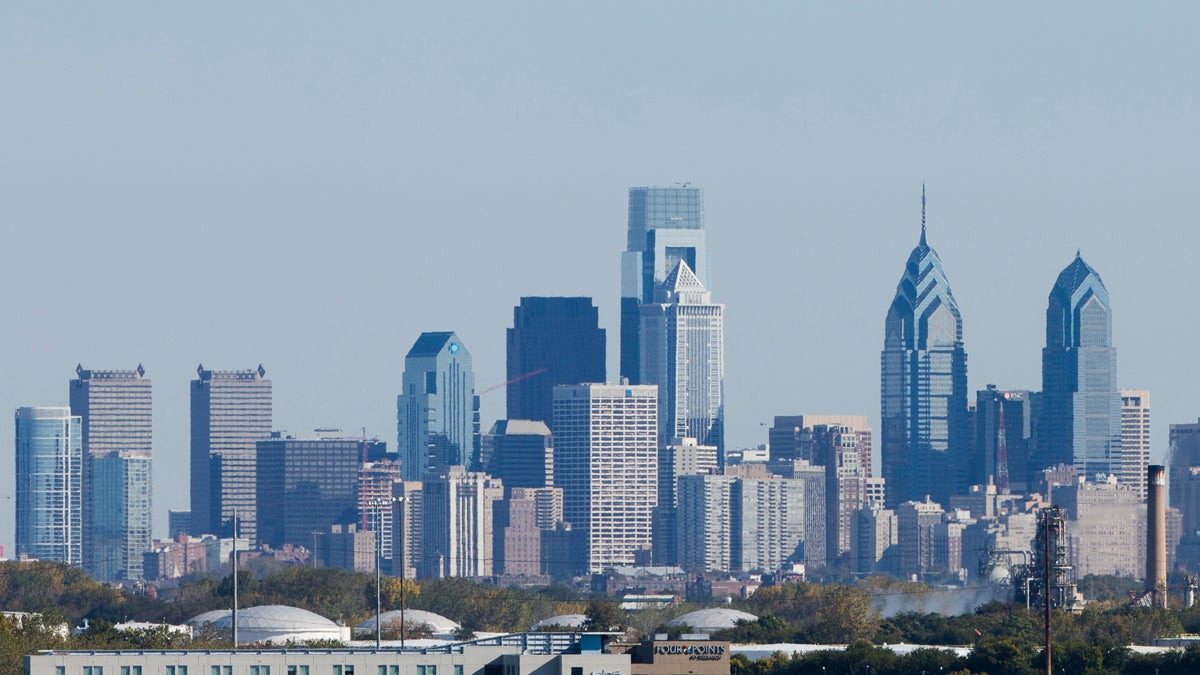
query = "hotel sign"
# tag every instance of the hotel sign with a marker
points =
(698, 651)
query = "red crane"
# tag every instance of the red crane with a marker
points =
(518, 378)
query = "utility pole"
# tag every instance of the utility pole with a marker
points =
(235, 580)
(1046, 588)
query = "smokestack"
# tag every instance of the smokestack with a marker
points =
(1156, 534)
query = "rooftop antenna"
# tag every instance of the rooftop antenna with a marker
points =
(922, 214)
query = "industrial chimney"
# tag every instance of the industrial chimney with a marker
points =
(1156, 534)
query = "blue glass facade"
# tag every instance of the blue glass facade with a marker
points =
(926, 432)
(435, 411)
(666, 225)
(1081, 424)
(121, 524)
(563, 338)
(49, 472)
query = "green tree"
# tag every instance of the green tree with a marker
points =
(604, 615)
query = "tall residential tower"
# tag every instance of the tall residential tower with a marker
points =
(925, 434)
(49, 454)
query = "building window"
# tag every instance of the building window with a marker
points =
(426, 670)
(93, 670)
(60, 670)
(458, 670)
(576, 670)
(254, 670)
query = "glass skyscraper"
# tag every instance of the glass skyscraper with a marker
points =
(121, 514)
(49, 473)
(1081, 423)
(563, 338)
(666, 225)
(435, 411)
(925, 432)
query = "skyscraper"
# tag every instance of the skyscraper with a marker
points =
(1081, 424)
(1004, 426)
(435, 411)
(231, 411)
(683, 352)
(924, 384)
(606, 462)
(121, 528)
(666, 225)
(49, 459)
(305, 485)
(552, 341)
(114, 407)
(1134, 458)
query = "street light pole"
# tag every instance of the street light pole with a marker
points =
(377, 505)
(234, 565)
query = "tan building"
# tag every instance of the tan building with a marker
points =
(669, 657)
(1130, 465)
(1107, 528)
(458, 509)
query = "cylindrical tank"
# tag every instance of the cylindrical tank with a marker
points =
(1156, 534)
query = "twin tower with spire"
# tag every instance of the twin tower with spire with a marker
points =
(927, 448)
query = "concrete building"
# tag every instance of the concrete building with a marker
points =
(681, 457)
(773, 514)
(49, 474)
(522, 453)
(114, 407)
(305, 485)
(916, 524)
(552, 341)
(1131, 463)
(345, 547)
(522, 520)
(174, 558)
(606, 462)
(845, 454)
(708, 524)
(408, 529)
(435, 411)
(876, 539)
(376, 491)
(1107, 527)
(230, 412)
(683, 352)
(458, 512)
(515, 654)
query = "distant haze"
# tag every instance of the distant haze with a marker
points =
(310, 186)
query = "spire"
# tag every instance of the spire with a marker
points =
(923, 215)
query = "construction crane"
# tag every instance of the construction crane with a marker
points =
(522, 376)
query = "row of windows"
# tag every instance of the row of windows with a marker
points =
(347, 669)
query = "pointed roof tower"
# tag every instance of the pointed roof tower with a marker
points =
(682, 286)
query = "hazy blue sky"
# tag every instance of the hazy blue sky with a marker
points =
(309, 186)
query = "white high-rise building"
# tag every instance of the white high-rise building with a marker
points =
(606, 462)
(683, 352)
(705, 525)
(458, 508)
(1130, 465)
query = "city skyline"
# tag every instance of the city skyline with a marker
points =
(212, 221)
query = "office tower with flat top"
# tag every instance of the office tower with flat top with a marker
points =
(552, 341)
(231, 412)
(114, 408)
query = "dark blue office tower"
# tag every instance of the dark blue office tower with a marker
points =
(552, 341)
